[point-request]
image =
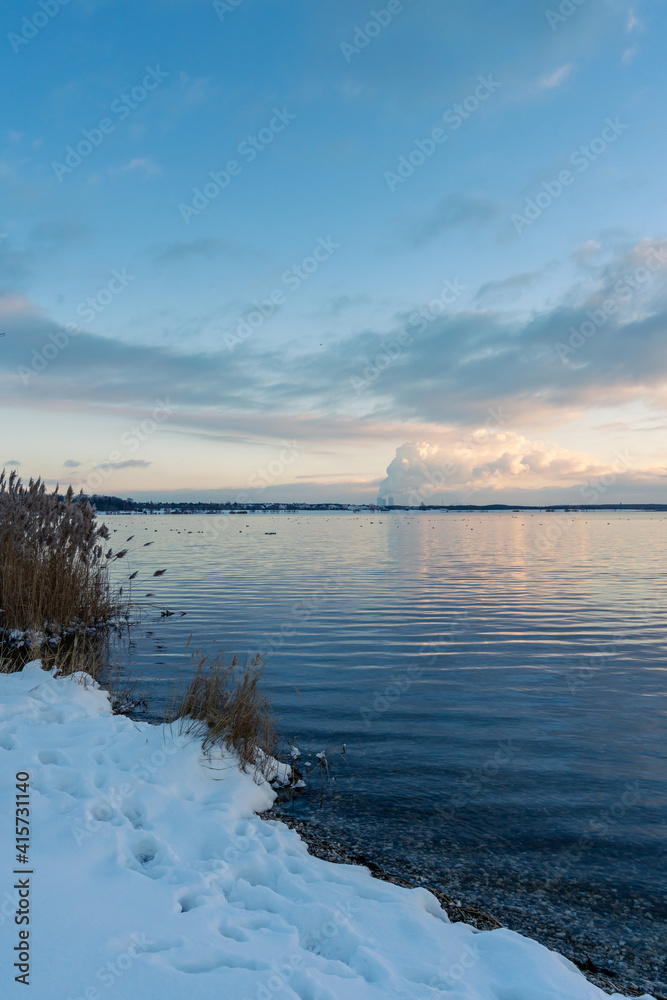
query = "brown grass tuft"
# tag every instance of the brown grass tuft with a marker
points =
(224, 704)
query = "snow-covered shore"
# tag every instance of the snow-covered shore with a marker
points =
(151, 876)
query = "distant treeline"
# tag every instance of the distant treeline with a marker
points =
(111, 504)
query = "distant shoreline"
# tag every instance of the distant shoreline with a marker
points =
(115, 505)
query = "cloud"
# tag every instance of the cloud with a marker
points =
(633, 21)
(207, 247)
(144, 164)
(129, 463)
(54, 233)
(193, 93)
(489, 462)
(16, 266)
(449, 369)
(555, 79)
(507, 290)
(71, 464)
(583, 253)
(454, 210)
(343, 302)
(20, 261)
(460, 364)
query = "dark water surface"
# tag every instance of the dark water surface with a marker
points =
(499, 681)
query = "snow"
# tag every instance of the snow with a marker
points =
(154, 878)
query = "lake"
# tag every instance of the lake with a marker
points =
(498, 679)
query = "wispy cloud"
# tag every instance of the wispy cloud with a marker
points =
(495, 292)
(130, 463)
(556, 78)
(145, 165)
(585, 251)
(453, 210)
(206, 246)
(341, 303)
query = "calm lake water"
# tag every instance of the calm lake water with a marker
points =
(499, 681)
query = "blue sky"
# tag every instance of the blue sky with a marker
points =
(349, 294)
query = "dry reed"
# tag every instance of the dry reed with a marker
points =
(53, 564)
(225, 706)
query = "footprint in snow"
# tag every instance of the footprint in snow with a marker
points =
(231, 931)
(69, 781)
(144, 857)
(192, 899)
(135, 812)
(207, 962)
(146, 852)
(53, 757)
(7, 741)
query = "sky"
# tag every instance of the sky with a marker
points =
(285, 250)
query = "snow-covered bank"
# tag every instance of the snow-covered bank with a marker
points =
(152, 877)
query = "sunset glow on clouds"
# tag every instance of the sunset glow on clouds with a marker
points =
(303, 305)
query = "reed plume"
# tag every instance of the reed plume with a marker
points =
(53, 560)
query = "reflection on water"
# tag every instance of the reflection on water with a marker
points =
(499, 680)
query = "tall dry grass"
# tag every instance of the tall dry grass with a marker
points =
(53, 563)
(224, 706)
